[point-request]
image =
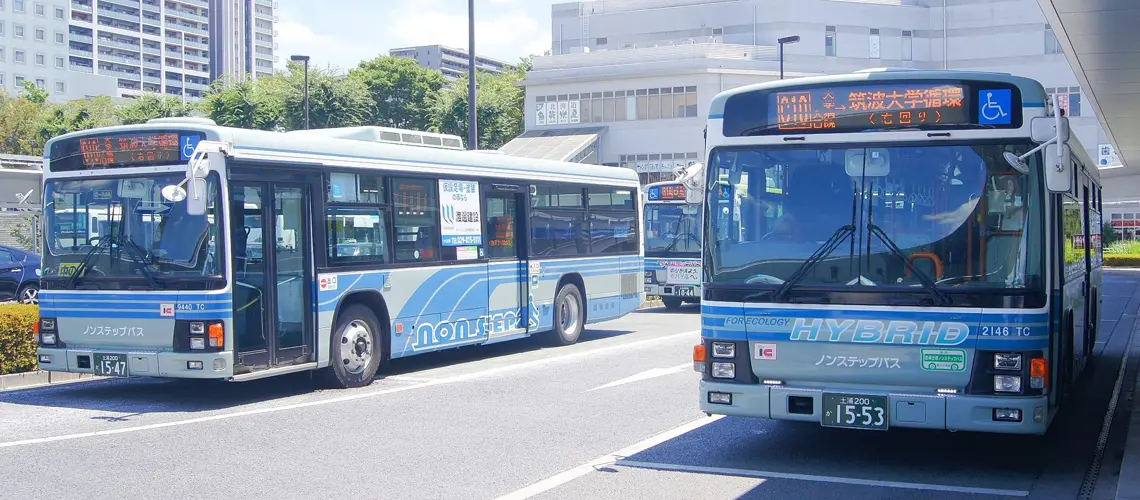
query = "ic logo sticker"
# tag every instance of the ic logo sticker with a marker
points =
(166, 309)
(764, 352)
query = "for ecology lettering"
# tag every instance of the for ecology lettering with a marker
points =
(868, 331)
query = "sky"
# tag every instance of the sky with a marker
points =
(362, 29)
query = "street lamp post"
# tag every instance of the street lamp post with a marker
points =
(782, 42)
(305, 59)
(472, 125)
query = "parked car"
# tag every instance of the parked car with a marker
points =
(19, 275)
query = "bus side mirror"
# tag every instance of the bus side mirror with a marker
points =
(196, 196)
(1057, 162)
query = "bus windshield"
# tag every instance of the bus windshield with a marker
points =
(959, 214)
(124, 229)
(672, 230)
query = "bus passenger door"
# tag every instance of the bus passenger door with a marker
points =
(272, 279)
(508, 305)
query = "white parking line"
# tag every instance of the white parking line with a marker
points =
(608, 459)
(360, 395)
(759, 474)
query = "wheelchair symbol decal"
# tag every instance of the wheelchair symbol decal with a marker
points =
(994, 107)
(189, 144)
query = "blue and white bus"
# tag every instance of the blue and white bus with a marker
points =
(673, 237)
(931, 256)
(379, 251)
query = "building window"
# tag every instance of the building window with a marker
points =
(1, 26)
(829, 41)
(59, 38)
(59, 13)
(59, 87)
(1, 54)
(40, 9)
(19, 80)
(18, 30)
(39, 59)
(907, 45)
(18, 6)
(602, 41)
(40, 35)
(59, 62)
(657, 167)
(873, 44)
(1052, 45)
(20, 56)
(1067, 98)
(616, 106)
(40, 82)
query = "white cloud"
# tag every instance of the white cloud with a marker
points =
(296, 38)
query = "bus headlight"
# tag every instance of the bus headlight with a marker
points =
(724, 370)
(1007, 361)
(724, 349)
(197, 343)
(1007, 383)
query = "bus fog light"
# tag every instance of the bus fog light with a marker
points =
(1007, 414)
(45, 359)
(724, 349)
(720, 398)
(1007, 383)
(219, 364)
(197, 343)
(724, 370)
(1007, 361)
(194, 365)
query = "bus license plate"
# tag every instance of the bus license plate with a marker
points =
(685, 291)
(110, 365)
(855, 411)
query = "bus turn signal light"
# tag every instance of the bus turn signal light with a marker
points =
(1038, 373)
(217, 335)
(699, 358)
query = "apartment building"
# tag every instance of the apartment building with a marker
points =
(450, 61)
(630, 81)
(34, 47)
(242, 35)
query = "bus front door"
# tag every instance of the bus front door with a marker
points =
(272, 285)
(508, 304)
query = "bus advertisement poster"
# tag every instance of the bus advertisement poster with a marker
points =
(459, 213)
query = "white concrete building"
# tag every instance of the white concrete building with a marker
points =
(242, 34)
(34, 47)
(650, 67)
(451, 61)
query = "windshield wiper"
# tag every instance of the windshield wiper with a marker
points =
(940, 297)
(138, 256)
(821, 253)
(82, 267)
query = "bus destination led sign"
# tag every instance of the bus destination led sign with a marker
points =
(124, 150)
(866, 107)
(668, 192)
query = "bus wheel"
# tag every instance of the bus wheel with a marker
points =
(671, 302)
(569, 314)
(355, 349)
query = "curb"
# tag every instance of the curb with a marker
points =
(30, 380)
(1128, 481)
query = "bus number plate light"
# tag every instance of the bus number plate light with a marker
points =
(720, 398)
(193, 365)
(724, 349)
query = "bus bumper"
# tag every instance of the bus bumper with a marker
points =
(214, 365)
(943, 412)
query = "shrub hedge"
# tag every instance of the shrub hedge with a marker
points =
(17, 340)
(1122, 260)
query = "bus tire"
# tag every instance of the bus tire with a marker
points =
(355, 350)
(569, 314)
(671, 302)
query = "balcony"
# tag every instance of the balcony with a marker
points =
(121, 16)
(196, 86)
(133, 61)
(151, 79)
(151, 50)
(76, 37)
(81, 68)
(119, 73)
(80, 52)
(265, 31)
(81, 7)
(265, 16)
(196, 3)
(131, 46)
(186, 14)
(266, 3)
(196, 44)
(152, 63)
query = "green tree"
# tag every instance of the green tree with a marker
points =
(402, 91)
(80, 114)
(34, 93)
(254, 104)
(19, 125)
(150, 106)
(335, 100)
(499, 108)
